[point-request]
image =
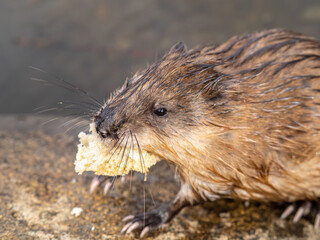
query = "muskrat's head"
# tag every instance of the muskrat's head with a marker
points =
(161, 106)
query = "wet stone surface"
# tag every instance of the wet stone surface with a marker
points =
(40, 194)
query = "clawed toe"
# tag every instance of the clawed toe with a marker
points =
(317, 220)
(302, 209)
(96, 182)
(287, 212)
(99, 181)
(107, 182)
(148, 221)
(107, 187)
(156, 218)
(136, 223)
(144, 232)
(124, 229)
(129, 227)
(127, 218)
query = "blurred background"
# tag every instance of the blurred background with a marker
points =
(97, 44)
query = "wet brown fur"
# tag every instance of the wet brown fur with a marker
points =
(243, 116)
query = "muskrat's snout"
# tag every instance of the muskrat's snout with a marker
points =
(104, 123)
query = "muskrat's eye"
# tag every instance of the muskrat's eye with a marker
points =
(160, 112)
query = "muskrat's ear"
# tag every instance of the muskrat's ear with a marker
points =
(179, 47)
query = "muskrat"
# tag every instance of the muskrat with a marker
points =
(238, 120)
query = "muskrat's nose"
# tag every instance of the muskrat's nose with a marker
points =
(105, 126)
(98, 121)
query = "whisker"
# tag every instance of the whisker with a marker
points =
(93, 103)
(80, 124)
(37, 69)
(73, 123)
(124, 150)
(86, 115)
(82, 91)
(39, 80)
(41, 107)
(139, 153)
(70, 122)
(118, 144)
(128, 153)
(78, 105)
(120, 150)
(115, 146)
(74, 106)
(85, 104)
(49, 121)
(112, 183)
(58, 108)
(154, 203)
(141, 159)
(131, 173)
(144, 205)
(47, 110)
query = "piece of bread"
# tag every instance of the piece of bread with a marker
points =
(96, 154)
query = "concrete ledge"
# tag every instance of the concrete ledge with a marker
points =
(39, 189)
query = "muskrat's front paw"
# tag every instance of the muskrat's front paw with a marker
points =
(303, 208)
(148, 221)
(107, 182)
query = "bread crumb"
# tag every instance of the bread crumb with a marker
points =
(76, 211)
(96, 154)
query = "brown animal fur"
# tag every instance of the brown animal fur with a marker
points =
(243, 117)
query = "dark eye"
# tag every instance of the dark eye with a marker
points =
(160, 112)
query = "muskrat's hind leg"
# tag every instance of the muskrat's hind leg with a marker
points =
(303, 208)
(160, 216)
(108, 182)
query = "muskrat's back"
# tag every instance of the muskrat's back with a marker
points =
(268, 147)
